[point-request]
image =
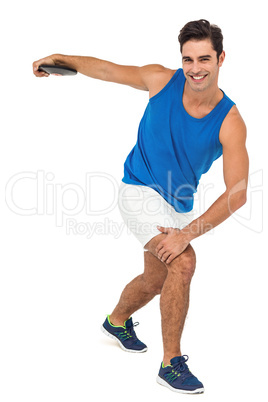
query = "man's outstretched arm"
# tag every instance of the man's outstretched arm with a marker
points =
(150, 78)
(235, 169)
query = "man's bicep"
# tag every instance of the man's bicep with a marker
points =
(235, 166)
(146, 78)
(126, 75)
(235, 156)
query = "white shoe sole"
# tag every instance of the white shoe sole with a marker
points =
(182, 391)
(120, 344)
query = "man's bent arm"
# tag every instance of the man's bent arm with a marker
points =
(235, 169)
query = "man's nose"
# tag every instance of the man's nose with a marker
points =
(196, 67)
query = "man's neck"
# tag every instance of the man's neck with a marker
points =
(207, 98)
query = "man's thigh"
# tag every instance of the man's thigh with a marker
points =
(154, 269)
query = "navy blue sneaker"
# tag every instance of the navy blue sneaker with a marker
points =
(177, 377)
(125, 335)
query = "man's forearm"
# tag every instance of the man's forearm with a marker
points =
(134, 76)
(176, 241)
(89, 66)
(219, 211)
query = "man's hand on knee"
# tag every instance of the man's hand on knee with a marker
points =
(173, 245)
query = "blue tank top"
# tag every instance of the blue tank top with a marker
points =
(174, 149)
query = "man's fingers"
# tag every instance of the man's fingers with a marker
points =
(159, 247)
(170, 259)
(165, 256)
(160, 253)
(38, 63)
(38, 73)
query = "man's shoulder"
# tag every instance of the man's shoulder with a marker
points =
(152, 69)
(156, 77)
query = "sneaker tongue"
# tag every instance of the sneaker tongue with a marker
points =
(177, 359)
(129, 323)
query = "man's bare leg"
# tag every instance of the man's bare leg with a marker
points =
(173, 282)
(174, 301)
(141, 290)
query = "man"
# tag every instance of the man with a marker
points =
(188, 123)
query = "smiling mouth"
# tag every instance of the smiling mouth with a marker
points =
(198, 78)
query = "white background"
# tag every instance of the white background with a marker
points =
(57, 287)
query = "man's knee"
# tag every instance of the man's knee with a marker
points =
(184, 264)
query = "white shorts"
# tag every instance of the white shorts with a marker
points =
(143, 208)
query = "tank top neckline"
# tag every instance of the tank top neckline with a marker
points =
(170, 82)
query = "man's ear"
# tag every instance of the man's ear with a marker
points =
(221, 58)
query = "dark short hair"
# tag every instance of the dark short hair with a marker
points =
(199, 30)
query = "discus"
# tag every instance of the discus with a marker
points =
(57, 70)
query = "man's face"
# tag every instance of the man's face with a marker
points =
(200, 64)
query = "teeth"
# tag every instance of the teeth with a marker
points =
(198, 77)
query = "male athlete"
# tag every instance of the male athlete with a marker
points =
(188, 123)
